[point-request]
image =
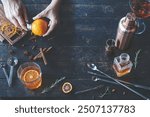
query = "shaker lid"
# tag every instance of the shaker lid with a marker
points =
(129, 20)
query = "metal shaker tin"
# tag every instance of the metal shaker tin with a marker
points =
(126, 29)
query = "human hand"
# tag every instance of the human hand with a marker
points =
(15, 11)
(52, 14)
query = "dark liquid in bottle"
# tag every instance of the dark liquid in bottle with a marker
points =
(141, 8)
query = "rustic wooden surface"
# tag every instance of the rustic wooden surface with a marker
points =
(85, 26)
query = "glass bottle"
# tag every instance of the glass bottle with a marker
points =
(122, 64)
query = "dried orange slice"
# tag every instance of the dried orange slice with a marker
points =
(30, 75)
(39, 27)
(67, 87)
(8, 29)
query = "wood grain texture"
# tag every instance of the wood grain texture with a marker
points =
(87, 10)
(90, 2)
(84, 28)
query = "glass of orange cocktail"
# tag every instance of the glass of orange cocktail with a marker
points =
(30, 75)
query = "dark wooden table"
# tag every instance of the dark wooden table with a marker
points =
(84, 28)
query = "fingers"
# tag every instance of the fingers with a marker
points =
(18, 21)
(25, 14)
(14, 21)
(52, 25)
(16, 13)
(22, 18)
(21, 22)
(38, 16)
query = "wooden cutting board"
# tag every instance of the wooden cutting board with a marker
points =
(8, 31)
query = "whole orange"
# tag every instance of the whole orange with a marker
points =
(39, 27)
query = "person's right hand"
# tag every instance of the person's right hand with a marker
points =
(15, 12)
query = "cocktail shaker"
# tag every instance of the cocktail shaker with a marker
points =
(126, 29)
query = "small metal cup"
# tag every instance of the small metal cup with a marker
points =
(110, 46)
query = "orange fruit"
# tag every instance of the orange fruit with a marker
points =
(30, 75)
(39, 27)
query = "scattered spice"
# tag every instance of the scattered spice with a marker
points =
(113, 90)
(31, 57)
(34, 47)
(26, 53)
(33, 38)
(124, 93)
(11, 52)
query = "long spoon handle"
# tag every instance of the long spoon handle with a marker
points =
(132, 90)
(6, 75)
(125, 82)
(11, 75)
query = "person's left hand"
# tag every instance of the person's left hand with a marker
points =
(15, 12)
(52, 14)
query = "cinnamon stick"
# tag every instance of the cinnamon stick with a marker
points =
(45, 50)
(43, 56)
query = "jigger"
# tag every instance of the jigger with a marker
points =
(110, 46)
(12, 61)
